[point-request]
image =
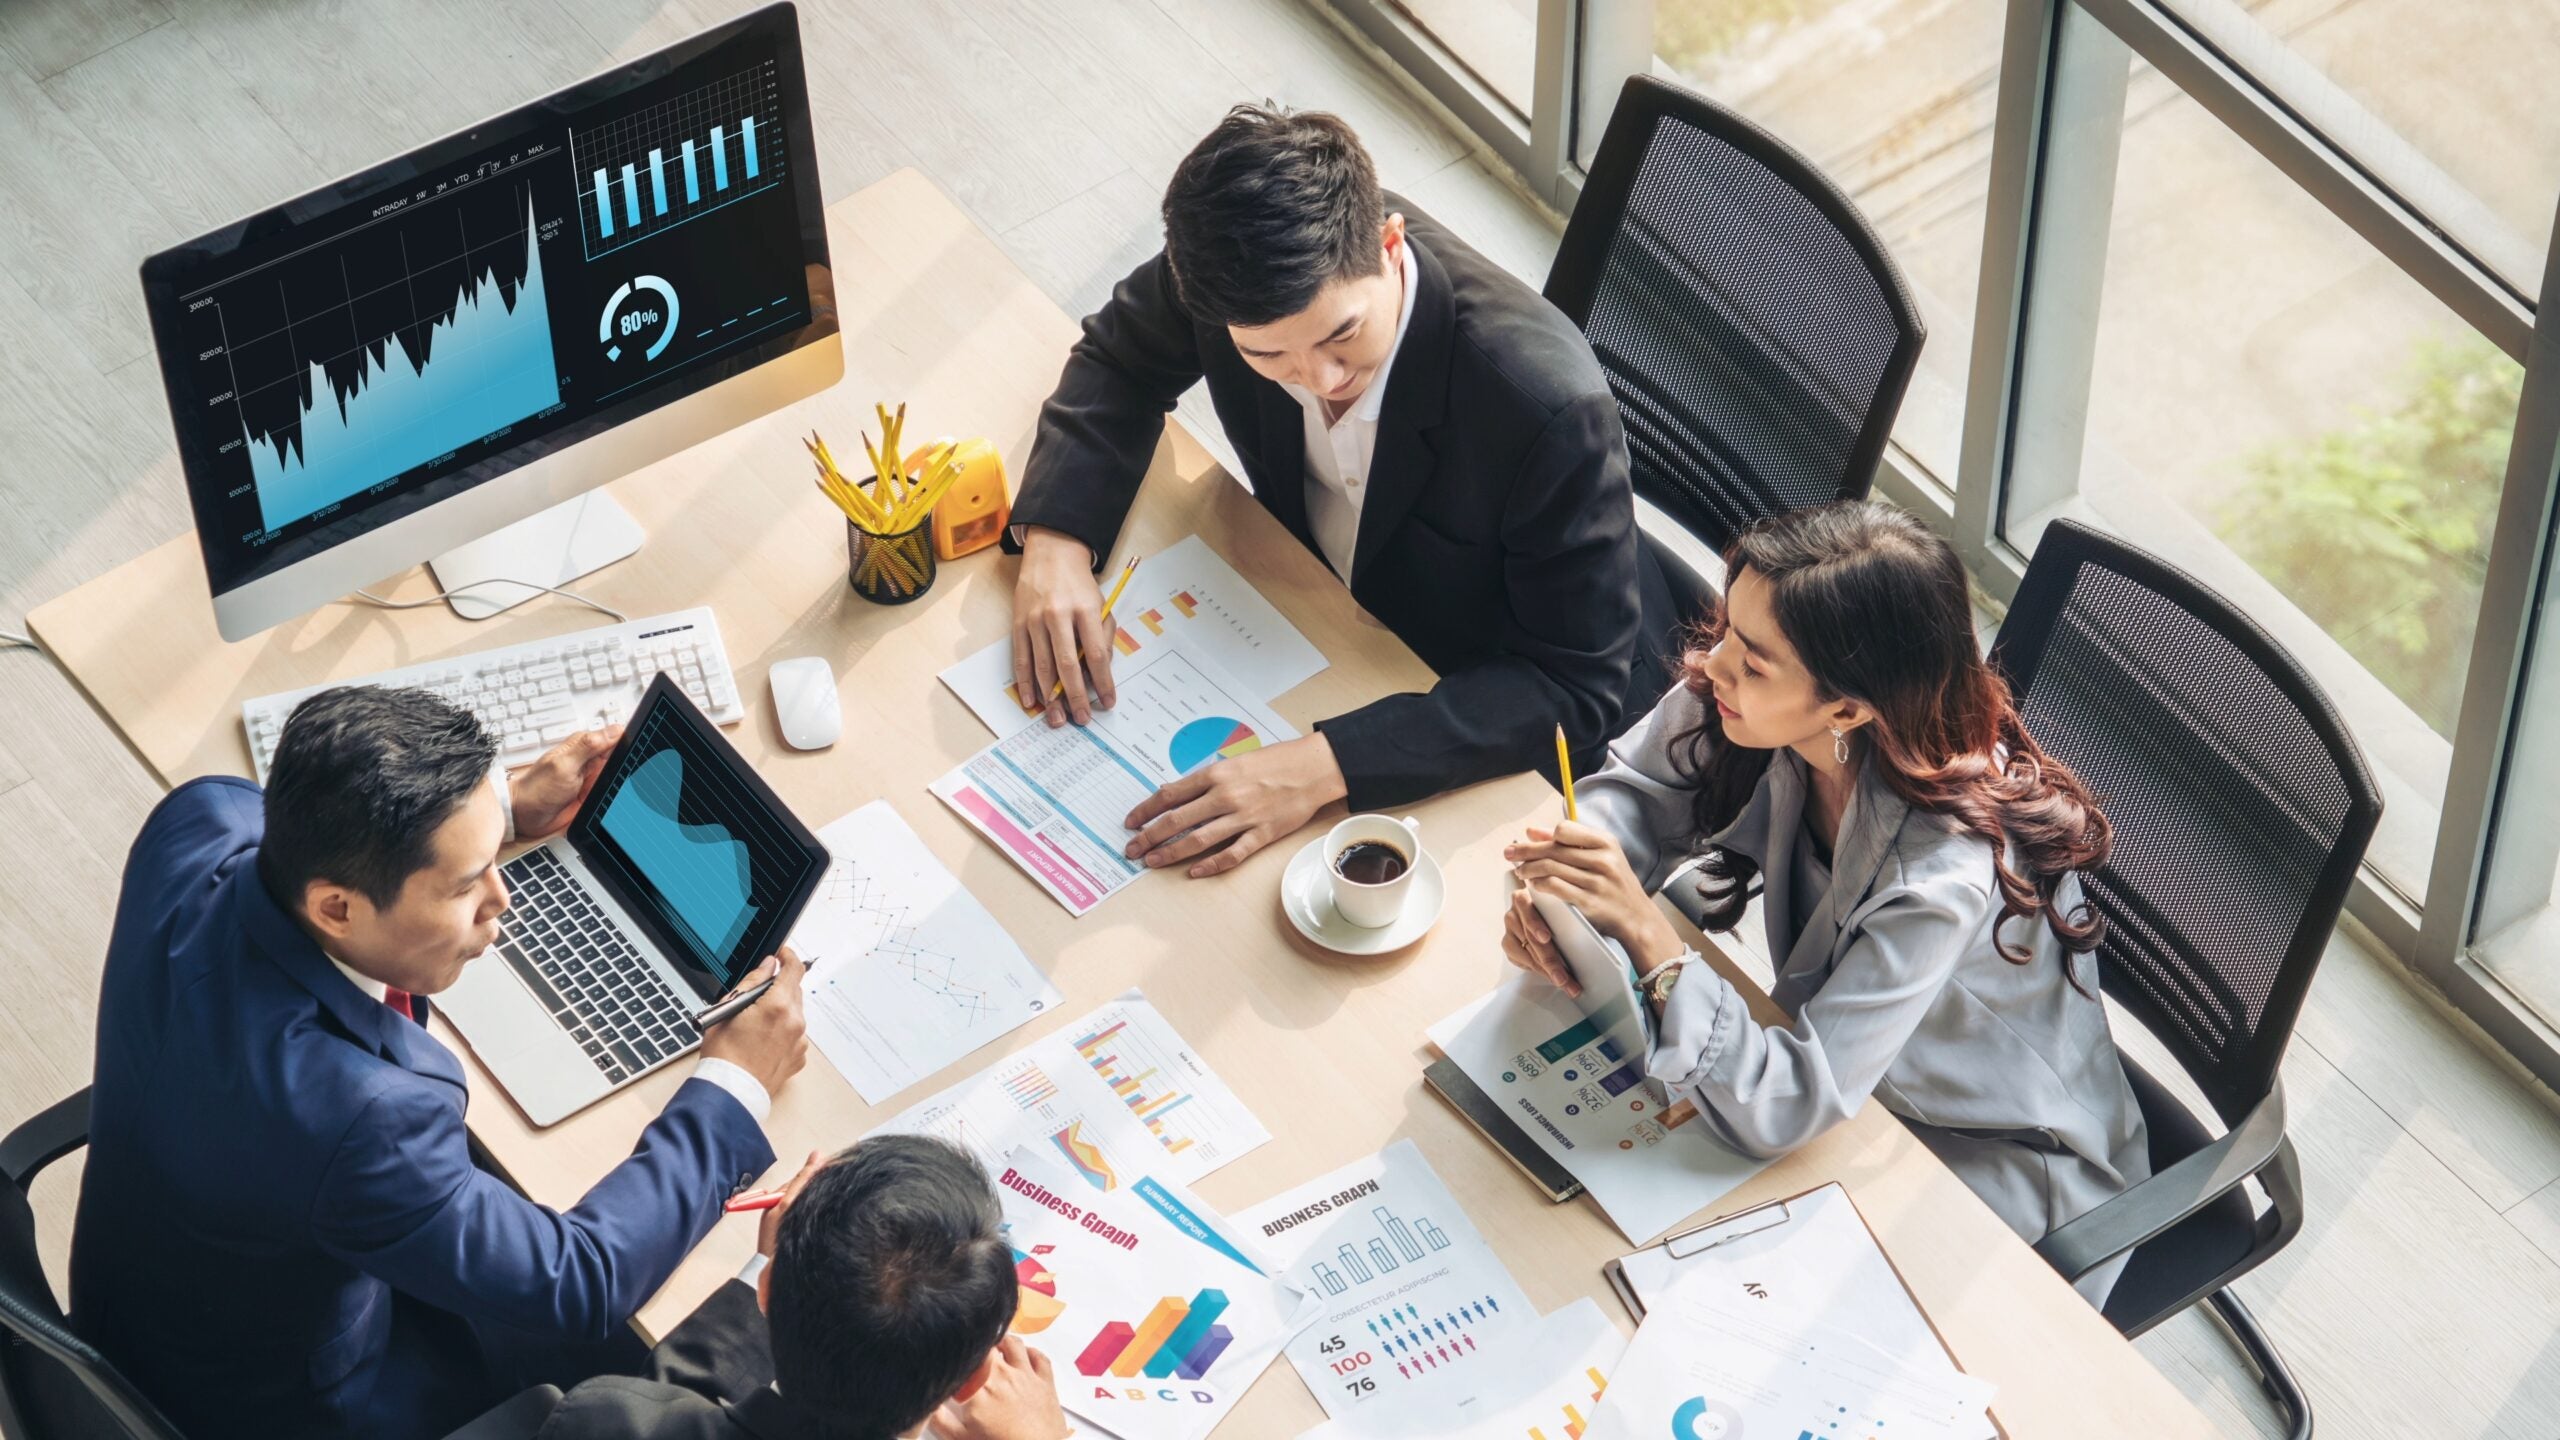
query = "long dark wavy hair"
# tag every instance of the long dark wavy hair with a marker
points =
(1876, 607)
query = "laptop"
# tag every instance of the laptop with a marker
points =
(681, 872)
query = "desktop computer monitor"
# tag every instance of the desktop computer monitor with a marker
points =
(404, 365)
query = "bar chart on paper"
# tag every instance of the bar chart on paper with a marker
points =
(656, 167)
(1414, 1299)
(1153, 1080)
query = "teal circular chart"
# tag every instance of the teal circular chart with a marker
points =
(1699, 1418)
(1210, 738)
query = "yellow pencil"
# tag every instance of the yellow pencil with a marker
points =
(1564, 771)
(1114, 597)
(1060, 687)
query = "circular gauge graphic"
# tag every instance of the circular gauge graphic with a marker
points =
(640, 318)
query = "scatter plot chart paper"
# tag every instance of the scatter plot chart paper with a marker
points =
(908, 972)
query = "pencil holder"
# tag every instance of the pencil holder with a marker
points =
(890, 569)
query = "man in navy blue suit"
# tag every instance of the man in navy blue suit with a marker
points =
(281, 1231)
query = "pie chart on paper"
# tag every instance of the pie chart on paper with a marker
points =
(1204, 740)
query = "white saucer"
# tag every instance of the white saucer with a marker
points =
(1306, 897)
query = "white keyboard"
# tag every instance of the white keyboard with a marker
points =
(533, 696)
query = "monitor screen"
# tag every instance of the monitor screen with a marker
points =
(694, 844)
(350, 357)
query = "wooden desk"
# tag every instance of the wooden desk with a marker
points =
(1328, 1051)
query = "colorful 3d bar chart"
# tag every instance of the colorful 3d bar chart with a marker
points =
(1178, 1339)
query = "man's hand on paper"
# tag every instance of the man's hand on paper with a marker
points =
(1017, 1401)
(1221, 814)
(1583, 865)
(1058, 634)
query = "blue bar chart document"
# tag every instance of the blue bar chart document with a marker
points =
(1415, 1300)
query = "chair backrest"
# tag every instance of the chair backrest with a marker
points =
(2241, 803)
(1757, 335)
(53, 1384)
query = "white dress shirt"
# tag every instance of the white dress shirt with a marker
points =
(1339, 451)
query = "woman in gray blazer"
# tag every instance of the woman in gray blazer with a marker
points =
(1838, 734)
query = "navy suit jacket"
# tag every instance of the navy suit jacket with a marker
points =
(281, 1231)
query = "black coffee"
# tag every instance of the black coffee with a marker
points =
(1370, 862)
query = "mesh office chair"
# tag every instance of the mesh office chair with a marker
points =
(56, 1386)
(1757, 336)
(2242, 808)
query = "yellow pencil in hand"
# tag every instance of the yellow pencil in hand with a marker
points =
(1060, 687)
(1564, 772)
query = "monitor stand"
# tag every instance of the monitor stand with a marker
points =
(573, 538)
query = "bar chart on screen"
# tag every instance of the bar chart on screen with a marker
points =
(654, 168)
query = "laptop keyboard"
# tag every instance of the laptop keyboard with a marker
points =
(578, 963)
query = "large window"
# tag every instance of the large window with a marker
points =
(2253, 283)
(2448, 104)
(2287, 415)
(1496, 40)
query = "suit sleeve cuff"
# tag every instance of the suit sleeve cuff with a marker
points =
(1698, 1023)
(742, 1087)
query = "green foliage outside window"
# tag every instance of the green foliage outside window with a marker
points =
(2379, 529)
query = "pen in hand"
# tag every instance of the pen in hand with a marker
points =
(731, 1007)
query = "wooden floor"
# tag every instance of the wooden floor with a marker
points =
(2422, 1299)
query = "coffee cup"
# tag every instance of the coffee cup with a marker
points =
(1370, 860)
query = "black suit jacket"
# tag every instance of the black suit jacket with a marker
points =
(709, 1380)
(1498, 538)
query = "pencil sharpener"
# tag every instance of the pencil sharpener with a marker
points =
(973, 513)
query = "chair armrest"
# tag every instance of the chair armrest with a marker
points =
(2170, 1196)
(61, 1129)
(519, 1418)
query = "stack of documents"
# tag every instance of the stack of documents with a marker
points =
(1786, 1320)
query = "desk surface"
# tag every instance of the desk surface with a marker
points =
(1327, 1051)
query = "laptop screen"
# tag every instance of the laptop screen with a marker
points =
(694, 844)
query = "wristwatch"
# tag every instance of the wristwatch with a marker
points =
(1657, 986)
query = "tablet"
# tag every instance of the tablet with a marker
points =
(1609, 997)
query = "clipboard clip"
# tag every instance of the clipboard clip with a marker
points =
(1703, 1238)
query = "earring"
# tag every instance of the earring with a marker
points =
(1839, 745)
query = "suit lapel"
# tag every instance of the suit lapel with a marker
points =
(764, 1414)
(371, 1023)
(1284, 456)
(1786, 790)
(1416, 401)
(1867, 834)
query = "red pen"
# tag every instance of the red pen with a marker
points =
(760, 1200)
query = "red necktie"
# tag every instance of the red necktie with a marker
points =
(399, 1001)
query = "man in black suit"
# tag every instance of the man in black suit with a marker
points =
(1426, 424)
(884, 1304)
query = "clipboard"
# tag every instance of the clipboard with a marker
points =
(1767, 1220)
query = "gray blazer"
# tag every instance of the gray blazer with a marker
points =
(2006, 1071)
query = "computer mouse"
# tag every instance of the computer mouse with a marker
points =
(804, 702)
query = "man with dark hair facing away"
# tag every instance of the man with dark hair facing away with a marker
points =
(1430, 427)
(884, 1304)
(281, 1232)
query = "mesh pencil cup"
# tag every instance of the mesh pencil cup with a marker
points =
(890, 569)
